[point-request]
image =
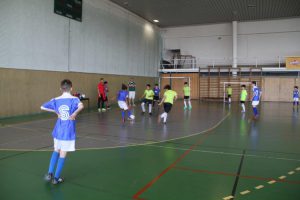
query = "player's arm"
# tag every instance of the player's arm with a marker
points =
(80, 108)
(47, 109)
(175, 97)
(143, 95)
(162, 101)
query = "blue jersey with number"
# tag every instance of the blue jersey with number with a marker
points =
(156, 91)
(256, 94)
(64, 105)
(122, 95)
(296, 94)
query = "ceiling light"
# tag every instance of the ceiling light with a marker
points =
(156, 20)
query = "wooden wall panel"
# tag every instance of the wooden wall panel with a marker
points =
(23, 91)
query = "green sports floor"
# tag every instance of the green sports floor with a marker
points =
(212, 152)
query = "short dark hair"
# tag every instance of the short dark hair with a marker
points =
(296, 87)
(229, 85)
(156, 84)
(243, 86)
(167, 87)
(66, 85)
(148, 85)
(254, 82)
(105, 82)
(185, 82)
(124, 87)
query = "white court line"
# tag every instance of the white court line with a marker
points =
(223, 153)
(282, 177)
(135, 144)
(291, 172)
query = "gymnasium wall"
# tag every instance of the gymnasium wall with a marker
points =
(264, 40)
(23, 91)
(277, 89)
(109, 40)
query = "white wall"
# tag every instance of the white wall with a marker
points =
(108, 40)
(262, 40)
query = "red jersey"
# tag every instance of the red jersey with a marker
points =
(101, 90)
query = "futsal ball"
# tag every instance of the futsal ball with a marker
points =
(132, 116)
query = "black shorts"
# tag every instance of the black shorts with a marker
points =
(147, 101)
(167, 107)
(156, 98)
(242, 101)
(186, 97)
(229, 95)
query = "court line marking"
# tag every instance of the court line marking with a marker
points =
(298, 168)
(228, 198)
(272, 182)
(282, 177)
(133, 144)
(224, 153)
(259, 187)
(291, 172)
(234, 175)
(155, 179)
(245, 192)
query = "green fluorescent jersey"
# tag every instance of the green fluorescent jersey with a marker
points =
(187, 91)
(169, 96)
(244, 95)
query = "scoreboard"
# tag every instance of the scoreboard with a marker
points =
(69, 8)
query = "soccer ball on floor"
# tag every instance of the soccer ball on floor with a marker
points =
(132, 117)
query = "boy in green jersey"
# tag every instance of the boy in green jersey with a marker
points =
(147, 98)
(229, 93)
(243, 97)
(168, 100)
(187, 94)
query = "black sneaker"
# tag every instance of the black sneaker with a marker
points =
(48, 177)
(56, 181)
(150, 114)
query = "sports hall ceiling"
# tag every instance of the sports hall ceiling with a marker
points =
(189, 12)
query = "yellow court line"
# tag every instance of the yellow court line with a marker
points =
(228, 198)
(272, 182)
(245, 192)
(135, 144)
(259, 187)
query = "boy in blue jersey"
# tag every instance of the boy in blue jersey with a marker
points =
(67, 108)
(156, 91)
(123, 102)
(256, 95)
(296, 96)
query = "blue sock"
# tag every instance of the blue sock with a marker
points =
(128, 113)
(60, 165)
(53, 161)
(294, 103)
(123, 114)
(255, 111)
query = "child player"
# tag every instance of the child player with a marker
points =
(255, 98)
(243, 97)
(67, 108)
(123, 103)
(187, 94)
(296, 96)
(156, 91)
(147, 99)
(229, 93)
(168, 100)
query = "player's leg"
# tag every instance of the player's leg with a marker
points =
(60, 165)
(122, 105)
(143, 106)
(102, 103)
(190, 104)
(229, 98)
(254, 107)
(243, 106)
(150, 106)
(184, 102)
(52, 164)
(98, 104)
